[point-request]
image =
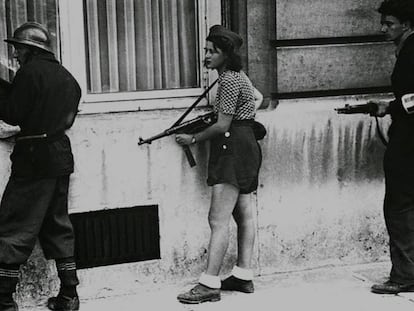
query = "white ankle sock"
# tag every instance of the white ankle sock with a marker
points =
(211, 281)
(242, 274)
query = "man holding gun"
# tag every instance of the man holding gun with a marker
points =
(397, 24)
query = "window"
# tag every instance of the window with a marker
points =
(134, 45)
(133, 55)
(13, 13)
(126, 54)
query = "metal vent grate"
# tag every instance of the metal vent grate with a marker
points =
(116, 236)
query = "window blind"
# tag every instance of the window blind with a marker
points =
(13, 13)
(137, 45)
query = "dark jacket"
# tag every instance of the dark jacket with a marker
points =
(44, 99)
(399, 171)
(400, 151)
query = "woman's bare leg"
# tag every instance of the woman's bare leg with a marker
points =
(243, 215)
(223, 201)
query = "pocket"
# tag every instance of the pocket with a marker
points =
(40, 155)
(61, 157)
(22, 160)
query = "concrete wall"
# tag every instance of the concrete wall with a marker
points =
(340, 66)
(319, 200)
(336, 18)
(313, 46)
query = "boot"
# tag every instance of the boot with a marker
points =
(390, 287)
(63, 303)
(9, 277)
(67, 299)
(7, 303)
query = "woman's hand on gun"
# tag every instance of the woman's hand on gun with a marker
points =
(184, 139)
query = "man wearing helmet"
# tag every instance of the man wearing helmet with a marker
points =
(43, 101)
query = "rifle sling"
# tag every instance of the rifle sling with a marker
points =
(180, 119)
(380, 133)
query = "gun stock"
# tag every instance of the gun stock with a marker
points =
(368, 108)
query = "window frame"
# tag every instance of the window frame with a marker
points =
(73, 56)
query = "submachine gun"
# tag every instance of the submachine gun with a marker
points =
(368, 108)
(189, 127)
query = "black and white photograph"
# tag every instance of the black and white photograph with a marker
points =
(200, 155)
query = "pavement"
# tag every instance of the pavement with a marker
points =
(327, 288)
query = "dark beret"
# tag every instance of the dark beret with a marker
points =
(221, 31)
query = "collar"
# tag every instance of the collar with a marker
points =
(49, 57)
(404, 38)
(226, 71)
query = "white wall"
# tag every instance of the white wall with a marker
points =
(319, 200)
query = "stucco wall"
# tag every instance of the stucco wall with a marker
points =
(342, 50)
(319, 200)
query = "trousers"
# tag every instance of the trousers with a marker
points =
(35, 208)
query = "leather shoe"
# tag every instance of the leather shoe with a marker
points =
(391, 287)
(200, 293)
(236, 284)
(63, 303)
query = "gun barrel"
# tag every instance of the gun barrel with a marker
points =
(351, 109)
(152, 138)
(191, 126)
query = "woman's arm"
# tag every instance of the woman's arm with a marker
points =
(258, 98)
(221, 126)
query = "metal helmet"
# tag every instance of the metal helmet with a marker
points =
(32, 34)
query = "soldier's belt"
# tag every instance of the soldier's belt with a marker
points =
(49, 137)
(28, 137)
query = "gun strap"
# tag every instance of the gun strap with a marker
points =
(380, 133)
(180, 119)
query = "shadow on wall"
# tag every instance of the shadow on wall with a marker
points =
(321, 187)
(317, 146)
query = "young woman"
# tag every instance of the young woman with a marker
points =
(235, 159)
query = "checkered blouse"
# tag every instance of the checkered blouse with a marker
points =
(235, 95)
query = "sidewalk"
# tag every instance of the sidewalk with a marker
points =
(322, 289)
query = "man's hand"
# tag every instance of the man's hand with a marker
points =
(7, 130)
(382, 108)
